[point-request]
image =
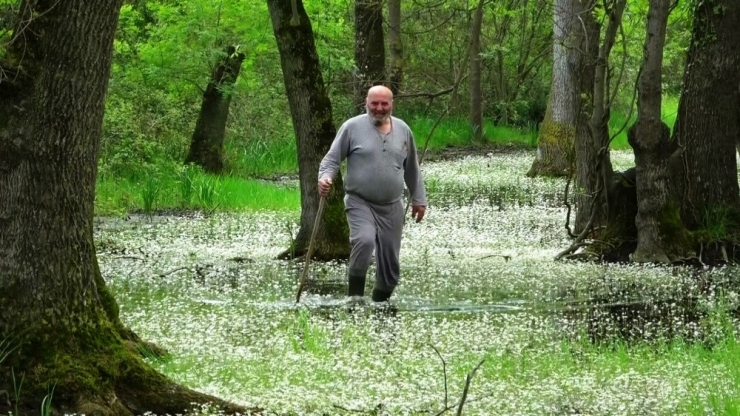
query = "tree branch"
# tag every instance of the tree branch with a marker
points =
(468, 379)
(444, 370)
(430, 95)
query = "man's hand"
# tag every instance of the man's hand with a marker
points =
(324, 186)
(417, 212)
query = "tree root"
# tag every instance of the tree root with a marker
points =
(140, 347)
(139, 390)
(108, 379)
(145, 390)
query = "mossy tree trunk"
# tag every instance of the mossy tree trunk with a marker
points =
(207, 144)
(55, 311)
(707, 125)
(555, 141)
(369, 49)
(658, 224)
(395, 43)
(311, 112)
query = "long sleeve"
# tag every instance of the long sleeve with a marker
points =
(412, 175)
(338, 150)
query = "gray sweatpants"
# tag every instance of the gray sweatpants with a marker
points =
(375, 227)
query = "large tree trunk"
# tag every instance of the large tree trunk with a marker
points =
(369, 49)
(395, 43)
(55, 312)
(311, 112)
(707, 124)
(476, 87)
(588, 173)
(659, 227)
(207, 144)
(555, 148)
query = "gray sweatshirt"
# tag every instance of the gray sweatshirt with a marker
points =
(378, 164)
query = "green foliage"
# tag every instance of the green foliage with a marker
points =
(149, 193)
(719, 224)
(206, 193)
(622, 118)
(46, 402)
(186, 180)
(5, 349)
(457, 132)
(17, 388)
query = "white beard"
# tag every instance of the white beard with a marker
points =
(377, 120)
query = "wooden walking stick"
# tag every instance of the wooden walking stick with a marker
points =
(309, 253)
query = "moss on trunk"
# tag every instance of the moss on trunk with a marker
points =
(555, 152)
(91, 371)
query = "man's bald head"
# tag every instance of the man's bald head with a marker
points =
(379, 104)
(380, 90)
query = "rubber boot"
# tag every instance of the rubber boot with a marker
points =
(381, 295)
(356, 286)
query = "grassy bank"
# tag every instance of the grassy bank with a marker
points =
(190, 189)
(167, 186)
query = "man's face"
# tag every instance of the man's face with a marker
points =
(379, 107)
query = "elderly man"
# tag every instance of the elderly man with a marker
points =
(381, 156)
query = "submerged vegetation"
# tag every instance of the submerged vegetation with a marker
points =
(479, 285)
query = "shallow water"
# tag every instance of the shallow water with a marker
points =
(478, 282)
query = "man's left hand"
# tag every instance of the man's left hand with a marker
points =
(417, 212)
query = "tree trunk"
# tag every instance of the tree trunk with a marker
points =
(594, 210)
(207, 144)
(707, 124)
(587, 174)
(55, 311)
(658, 222)
(311, 112)
(395, 43)
(555, 148)
(369, 49)
(476, 87)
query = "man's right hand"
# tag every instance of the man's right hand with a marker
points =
(324, 186)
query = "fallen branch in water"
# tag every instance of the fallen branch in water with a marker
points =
(504, 256)
(177, 269)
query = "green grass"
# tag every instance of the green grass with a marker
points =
(191, 191)
(262, 157)
(457, 133)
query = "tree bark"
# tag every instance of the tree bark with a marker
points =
(707, 126)
(476, 87)
(369, 49)
(311, 112)
(207, 144)
(587, 174)
(55, 310)
(594, 207)
(657, 212)
(555, 141)
(395, 43)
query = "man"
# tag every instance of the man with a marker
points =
(381, 156)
